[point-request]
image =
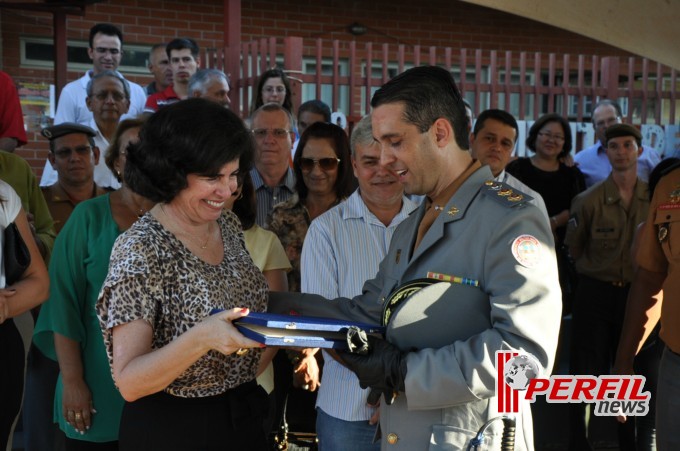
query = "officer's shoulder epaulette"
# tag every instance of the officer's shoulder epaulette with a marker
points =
(505, 194)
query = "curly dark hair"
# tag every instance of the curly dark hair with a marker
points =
(344, 184)
(194, 136)
(540, 123)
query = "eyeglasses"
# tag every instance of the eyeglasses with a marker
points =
(65, 152)
(105, 50)
(326, 164)
(278, 133)
(547, 135)
(272, 89)
(104, 95)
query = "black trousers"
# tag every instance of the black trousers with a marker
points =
(598, 312)
(230, 421)
(12, 362)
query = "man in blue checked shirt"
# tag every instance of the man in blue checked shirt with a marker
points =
(343, 249)
(593, 161)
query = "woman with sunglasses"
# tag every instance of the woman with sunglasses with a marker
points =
(324, 178)
(323, 173)
(544, 172)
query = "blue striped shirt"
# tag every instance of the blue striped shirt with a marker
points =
(343, 249)
(267, 196)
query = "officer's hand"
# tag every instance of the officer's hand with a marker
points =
(383, 368)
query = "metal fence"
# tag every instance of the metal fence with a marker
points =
(345, 74)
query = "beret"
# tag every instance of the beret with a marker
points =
(618, 130)
(66, 128)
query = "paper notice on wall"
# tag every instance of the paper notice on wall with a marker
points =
(37, 103)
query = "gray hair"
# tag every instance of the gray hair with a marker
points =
(202, 77)
(362, 134)
(270, 107)
(108, 73)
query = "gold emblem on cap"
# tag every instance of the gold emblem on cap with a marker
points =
(675, 196)
(453, 211)
(663, 233)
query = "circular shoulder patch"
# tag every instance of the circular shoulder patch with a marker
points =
(527, 251)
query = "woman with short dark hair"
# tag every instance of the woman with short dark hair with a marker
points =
(544, 172)
(188, 376)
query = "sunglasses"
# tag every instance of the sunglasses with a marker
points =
(326, 164)
(65, 152)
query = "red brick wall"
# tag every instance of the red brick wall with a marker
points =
(438, 22)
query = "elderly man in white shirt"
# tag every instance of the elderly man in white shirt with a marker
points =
(106, 52)
(342, 250)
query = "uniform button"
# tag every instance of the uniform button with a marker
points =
(392, 439)
(382, 300)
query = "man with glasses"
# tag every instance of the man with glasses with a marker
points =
(108, 99)
(106, 52)
(73, 155)
(274, 181)
(593, 161)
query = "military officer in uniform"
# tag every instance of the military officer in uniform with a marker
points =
(658, 259)
(600, 233)
(493, 252)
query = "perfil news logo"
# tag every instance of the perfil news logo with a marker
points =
(610, 395)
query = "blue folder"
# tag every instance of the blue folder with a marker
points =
(300, 331)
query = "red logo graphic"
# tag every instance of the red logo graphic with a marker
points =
(508, 398)
(610, 395)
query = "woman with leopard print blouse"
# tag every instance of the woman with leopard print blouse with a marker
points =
(188, 378)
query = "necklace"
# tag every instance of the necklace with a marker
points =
(179, 231)
(132, 204)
